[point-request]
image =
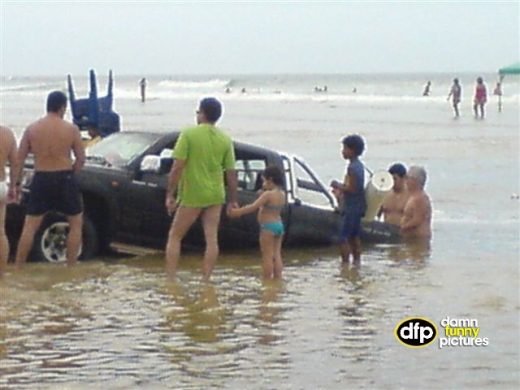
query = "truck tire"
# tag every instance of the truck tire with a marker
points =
(50, 241)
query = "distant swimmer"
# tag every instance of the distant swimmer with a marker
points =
(142, 85)
(498, 92)
(392, 209)
(427, 87)
(244, 90)
(354, 90)
(480, 98)
(320, 89)
(455, 94)
(417, 216)
(228, 90)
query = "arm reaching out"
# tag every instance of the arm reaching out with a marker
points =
(261, 201)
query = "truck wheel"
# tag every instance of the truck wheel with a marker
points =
(50, 242)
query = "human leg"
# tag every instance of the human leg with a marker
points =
(267, 249)
(4, 243)
(210, 223)
(355, 245)
(346, 232)
(345, 251)
(31, 225)
(184, 218)
(278, 263)
(74, 238)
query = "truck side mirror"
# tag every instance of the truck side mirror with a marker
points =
(150, 164)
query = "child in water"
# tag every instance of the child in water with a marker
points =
(269, 206)
(352, 198)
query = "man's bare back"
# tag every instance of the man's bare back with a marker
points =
(393, 206)
(51, 140)
(7, 150)
(417, 216)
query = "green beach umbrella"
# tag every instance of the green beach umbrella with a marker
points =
(511, 69)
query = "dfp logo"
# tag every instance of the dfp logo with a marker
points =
(415, 332)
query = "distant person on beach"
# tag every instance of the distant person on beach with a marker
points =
(392, 209)
(498, 92)
(52, 140)
(269, 205)
(203, 155)
(456, 94)
(427, 87)
(417, 216)
(142, 85)
(480, 98)
(93, 133)
(354, 205)
(8, 193)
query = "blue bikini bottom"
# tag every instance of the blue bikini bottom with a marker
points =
(275, 227)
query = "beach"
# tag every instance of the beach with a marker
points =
(117, 323)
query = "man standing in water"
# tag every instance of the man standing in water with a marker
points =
(455, 94)
(142, 86)
(393, 205)
(51, 140)
(203, 155)
(8, 153)
(417, 217)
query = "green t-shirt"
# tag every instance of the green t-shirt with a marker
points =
(208, 153)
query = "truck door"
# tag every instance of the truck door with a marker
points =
(312, 215)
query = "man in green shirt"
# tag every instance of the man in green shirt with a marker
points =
(203, 155)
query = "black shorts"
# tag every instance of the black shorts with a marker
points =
(54, 191)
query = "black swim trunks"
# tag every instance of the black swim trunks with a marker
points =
(54, 191)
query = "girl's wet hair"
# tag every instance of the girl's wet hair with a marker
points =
(273, 173)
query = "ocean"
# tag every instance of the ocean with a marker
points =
(117, 323)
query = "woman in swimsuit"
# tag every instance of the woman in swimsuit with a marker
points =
(269, 206)
(480, 98)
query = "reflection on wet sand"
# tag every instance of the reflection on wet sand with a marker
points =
(269, 311)
(198, 314)
(357, 314)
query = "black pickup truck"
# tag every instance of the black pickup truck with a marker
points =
(124, 183)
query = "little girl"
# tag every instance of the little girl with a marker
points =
(269, 206)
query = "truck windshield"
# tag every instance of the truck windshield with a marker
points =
(121, 148)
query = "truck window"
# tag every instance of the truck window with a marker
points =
(249, 169)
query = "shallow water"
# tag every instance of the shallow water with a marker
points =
(116, 323)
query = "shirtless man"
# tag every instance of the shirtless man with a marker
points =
(417, 218)
(8, 151)
(392, 208)
(51, 140)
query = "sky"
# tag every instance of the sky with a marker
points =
(210, 38)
